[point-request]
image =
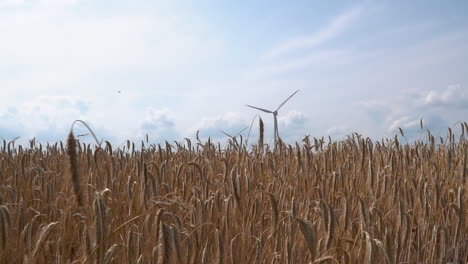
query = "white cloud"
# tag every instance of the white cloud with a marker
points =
(405, 122)
(231, 123)
(292, 118)
(83, 51)
(159, 124)
(47, 118)
(330, 31)
(452, 96)
(79, 44)
(48, 51)
(338, 131)
(52, 2)
(292, 126)
(4, 3)
(379, 111)
(439, 110)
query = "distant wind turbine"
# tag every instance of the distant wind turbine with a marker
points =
(233, 137)
(275, 115)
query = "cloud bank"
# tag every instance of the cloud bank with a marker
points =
(406, 111)
(159, 125)
(47, 118)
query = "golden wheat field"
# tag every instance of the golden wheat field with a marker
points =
(318, 201)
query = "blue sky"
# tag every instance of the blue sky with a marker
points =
(182, 66)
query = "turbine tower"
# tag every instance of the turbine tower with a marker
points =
(275, 115)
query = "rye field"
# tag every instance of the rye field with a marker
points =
(317, 201)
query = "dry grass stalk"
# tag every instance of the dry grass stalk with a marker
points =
(220, 247)
(46, 231)
(75, 176)
(274, 209)
(369, 256)
(204, 259)
(110, 254)
(175, 243)
(331, 225)
(5, 224)
(164, 246)
(261, 134)
(308, 232)
(100, 226)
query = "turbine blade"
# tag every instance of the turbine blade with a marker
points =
(281, 105)
(261, 109)
(241, 131)
(226, 134)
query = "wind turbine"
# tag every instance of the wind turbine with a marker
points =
(275, 114)
(233, 137)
